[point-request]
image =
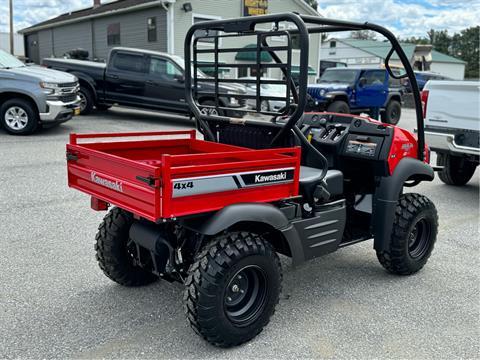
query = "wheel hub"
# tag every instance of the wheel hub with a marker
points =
(16, 118)
(83, 101)
(245, 295)
(418, 239)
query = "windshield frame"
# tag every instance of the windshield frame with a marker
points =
(328, 72)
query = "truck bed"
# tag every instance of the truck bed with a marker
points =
(168, 174)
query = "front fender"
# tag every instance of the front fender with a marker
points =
(386, 197)
(87, 79)
(337, 95)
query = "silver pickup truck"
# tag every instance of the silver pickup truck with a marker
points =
(452, 127)
(33, 96)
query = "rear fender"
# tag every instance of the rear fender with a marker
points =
(265, 214)
(386, 197)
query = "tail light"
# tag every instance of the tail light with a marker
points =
(424, 97)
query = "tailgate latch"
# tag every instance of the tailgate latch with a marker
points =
(71, 156)
(149, 180)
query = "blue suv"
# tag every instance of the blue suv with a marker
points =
(351, 90)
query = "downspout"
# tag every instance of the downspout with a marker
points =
(170, 25)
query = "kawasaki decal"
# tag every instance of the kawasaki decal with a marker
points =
(218, 183)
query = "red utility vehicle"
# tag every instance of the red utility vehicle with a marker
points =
(214, 213)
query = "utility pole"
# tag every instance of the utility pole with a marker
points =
(11, 26)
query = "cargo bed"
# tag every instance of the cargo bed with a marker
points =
(168, 174)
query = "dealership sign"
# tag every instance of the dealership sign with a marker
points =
(255, 7)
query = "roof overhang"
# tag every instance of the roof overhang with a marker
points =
(93, 16)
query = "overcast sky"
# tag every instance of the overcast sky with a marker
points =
(404, 17)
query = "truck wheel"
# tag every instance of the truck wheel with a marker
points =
(413, 235)
(456, 170)
(232, 288)
(339, 106)
(86, 100)
(114, 254)
(19, 116)
(392, 113)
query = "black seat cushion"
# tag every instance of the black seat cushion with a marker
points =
(310, 178)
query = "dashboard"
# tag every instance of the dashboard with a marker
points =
(343, 138)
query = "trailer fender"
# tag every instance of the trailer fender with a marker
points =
(265, 214)
(387, 194)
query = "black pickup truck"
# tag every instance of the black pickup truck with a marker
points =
(138, 78)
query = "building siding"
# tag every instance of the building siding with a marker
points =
(91, 34)
(452, 70)
(58, 40)
(133, 31)
(225, 9)
(73, 36)
(349, 55)
(46, 46)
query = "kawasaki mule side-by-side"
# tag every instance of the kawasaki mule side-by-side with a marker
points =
(214, 213)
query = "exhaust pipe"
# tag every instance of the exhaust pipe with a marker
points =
(155, 240)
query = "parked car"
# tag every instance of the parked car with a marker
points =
(452, 124)
(278, 90)
(139, 78)
(355, 90)
(422, 77)
(31, 96)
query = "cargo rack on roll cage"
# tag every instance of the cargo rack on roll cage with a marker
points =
(303, 25)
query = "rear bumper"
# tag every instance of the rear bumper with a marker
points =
(58, 111)
(438, 141)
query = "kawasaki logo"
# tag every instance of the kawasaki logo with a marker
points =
(274, 177)
(114, 185)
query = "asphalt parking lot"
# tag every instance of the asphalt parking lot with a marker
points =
(56, 303)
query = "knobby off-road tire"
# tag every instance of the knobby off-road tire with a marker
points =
(232, 288)
(456, 170)
(413, 235)
(112, 252)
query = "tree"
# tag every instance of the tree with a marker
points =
(465, 46)
(363, 35)
(441, 41)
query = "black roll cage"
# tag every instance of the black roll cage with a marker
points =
(305, 25)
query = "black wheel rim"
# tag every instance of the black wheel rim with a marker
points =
(419, 239)
(245, 295)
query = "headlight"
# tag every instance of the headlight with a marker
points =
(322, 92)
(48, 88)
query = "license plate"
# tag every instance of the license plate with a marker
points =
(76, 111)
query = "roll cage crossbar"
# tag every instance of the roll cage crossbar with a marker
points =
(303, 25)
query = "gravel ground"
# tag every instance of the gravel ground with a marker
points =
(56, 303)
